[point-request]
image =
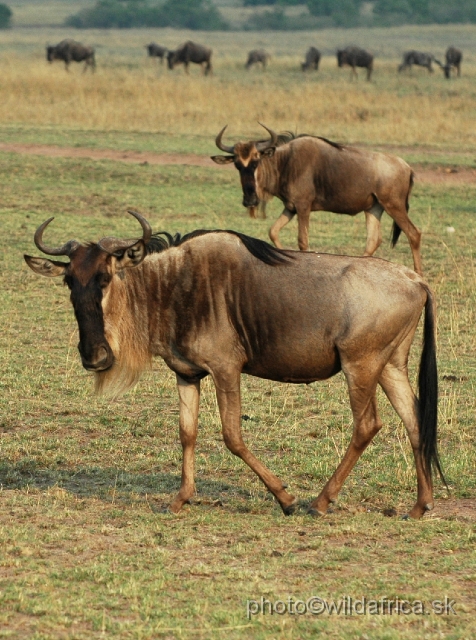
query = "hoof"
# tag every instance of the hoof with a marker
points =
(315, 513)
(406, 517)
(290, 509)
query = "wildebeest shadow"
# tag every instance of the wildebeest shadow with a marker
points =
(110, 483)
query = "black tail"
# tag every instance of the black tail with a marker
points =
(428, 392)
(396, 231)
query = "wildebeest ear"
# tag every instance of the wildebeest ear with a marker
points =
(45, 267)
(268, 152)
(222, 159)
(131, 257)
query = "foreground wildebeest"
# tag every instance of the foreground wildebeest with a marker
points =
(309, 173)
(355, 57)
(156, 51)
(191, 52)
(257, 56)
(72, 51)
(418, 58)
(313, 57)
(220, 303)
(453, 58)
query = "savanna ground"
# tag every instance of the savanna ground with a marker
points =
(86, 551)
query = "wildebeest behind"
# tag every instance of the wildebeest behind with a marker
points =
(72, 51)
(257, 56)
(355, 57)
(309, 173)
(220, 303)
(453, 58)
(156, 51)
(418, 58)
(191, 52)
(312, 59)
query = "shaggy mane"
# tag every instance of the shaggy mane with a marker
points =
(258, 248)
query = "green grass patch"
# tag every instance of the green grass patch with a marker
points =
(85, 548)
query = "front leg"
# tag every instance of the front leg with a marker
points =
(281, 222)
(189, 397)
(229, 403)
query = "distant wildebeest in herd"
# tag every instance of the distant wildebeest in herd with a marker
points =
(257, 56)
(309, 173)
(355, 57)
(72, 51)
(312, 59)
(156, 51)
(453, 58)
(191, 52)
(220, 303)
(418, 58)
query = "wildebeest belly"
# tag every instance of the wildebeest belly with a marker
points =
(350, 201)
(299, 361)
(291, 352)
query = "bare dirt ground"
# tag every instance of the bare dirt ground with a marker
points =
(433, 175)
(463, 509)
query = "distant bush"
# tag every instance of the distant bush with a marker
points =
(344, 13)
(256, 3)
(442, 12)
(5, 16)
(126, 14)
(277, 20)
(389, 12)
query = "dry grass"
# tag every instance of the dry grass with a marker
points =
(131, 93)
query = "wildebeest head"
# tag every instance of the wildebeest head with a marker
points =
(88, 276)
(171, 59)
(50, 53)
(246, 157)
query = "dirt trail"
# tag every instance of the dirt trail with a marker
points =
(433, 175)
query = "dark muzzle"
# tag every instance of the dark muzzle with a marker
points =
(98, 358)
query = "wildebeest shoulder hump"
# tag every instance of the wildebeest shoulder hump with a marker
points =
(258, 248)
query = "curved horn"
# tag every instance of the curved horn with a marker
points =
(221, 146)
(146, 228)
(114, 245)
(272, 142)
(65, 250)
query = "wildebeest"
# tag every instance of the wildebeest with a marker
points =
(220, 303)
(191, 52)
(355, 57)
(309, 173)
(418, 58)
(453, 58)
(156, 51)
(72, 51)
(313, 57)
(257, 56)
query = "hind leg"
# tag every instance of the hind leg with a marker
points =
(374, 234)
(399, 214)
(362, 393)
(394, 381)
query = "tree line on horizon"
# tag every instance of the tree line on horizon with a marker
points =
(203, 14)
